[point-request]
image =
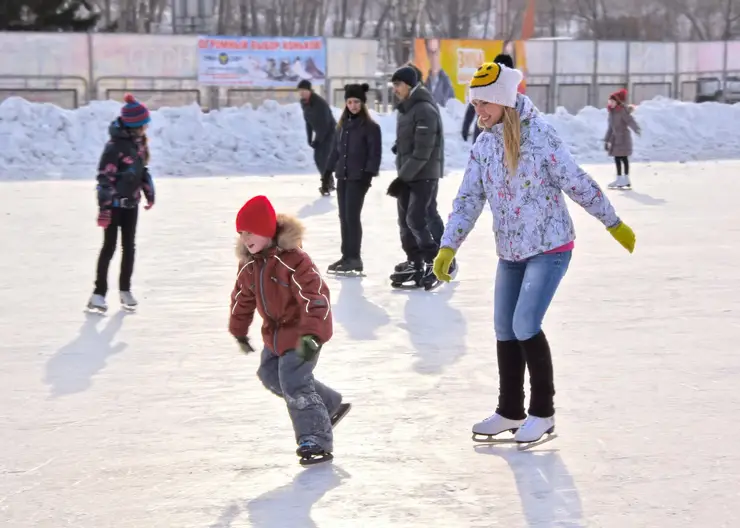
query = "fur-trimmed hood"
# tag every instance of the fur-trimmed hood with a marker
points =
(289, 236)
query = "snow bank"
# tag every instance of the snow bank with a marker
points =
(44, 141)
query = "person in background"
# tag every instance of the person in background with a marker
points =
(521, 167)
(438, 82)
(122, 177)
(469, 119)
(618, 139)
(320, 125)
(419, 153)
(355, 160)
(434, 219)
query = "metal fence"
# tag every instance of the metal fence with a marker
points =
(71, 69)
(574, 74)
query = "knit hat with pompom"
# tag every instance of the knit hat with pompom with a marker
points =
(134, 114)
(357, 91)
(495, 83)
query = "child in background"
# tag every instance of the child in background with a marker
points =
(122, 178)
(279, 280)
(618, 139)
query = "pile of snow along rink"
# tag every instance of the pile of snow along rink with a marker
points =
(43, 141)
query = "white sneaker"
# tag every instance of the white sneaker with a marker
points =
(534, 428)
(495, 425)
(97, 303)
(128, 300)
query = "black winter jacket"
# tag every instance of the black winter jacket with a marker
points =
(319, 119)
(357, 149)
(419, 138)
(122, 171)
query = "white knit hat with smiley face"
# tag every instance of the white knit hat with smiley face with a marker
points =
(494, 83)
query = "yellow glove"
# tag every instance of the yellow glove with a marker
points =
(442, 262)
(623, 234)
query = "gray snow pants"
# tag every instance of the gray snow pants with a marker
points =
(310, 403)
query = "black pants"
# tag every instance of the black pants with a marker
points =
(350, 199)
(321, 154)
(126, 220)
(436, 225)
(414, 223)
(622, 160)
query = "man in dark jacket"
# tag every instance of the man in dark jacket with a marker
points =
(320, 125)
(419, 153)
(470, 117)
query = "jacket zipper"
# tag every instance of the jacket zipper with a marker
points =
(267, 312)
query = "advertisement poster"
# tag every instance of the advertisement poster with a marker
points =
(261, 62)
(449, 64)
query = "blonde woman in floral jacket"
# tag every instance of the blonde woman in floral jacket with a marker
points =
(521, 167)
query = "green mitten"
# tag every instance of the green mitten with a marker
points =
(308, 347)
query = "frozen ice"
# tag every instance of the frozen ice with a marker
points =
(155, 419)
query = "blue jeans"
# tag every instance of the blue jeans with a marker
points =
(523, 293)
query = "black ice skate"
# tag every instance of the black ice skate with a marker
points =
(350, 267)
(408, 277)
(332, 268)
(344, 408)
(311, 454)
(429, 281)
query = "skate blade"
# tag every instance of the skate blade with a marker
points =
(128, 307)
(95, 311)
(341, 416)
(408, 285)
(524, 446)
(315, 459)
(493, 439)
(433, 286)
(349, 274)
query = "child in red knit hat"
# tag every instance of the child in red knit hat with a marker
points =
(279, 280)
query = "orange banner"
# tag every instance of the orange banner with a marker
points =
(454, 62)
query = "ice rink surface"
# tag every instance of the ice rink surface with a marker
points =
(155, 419)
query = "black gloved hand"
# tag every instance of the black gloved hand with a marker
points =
(308, 347)
(396, 188)
(465, 136)
(244, 344)
(394, 149)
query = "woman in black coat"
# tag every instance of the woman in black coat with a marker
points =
(355, 160)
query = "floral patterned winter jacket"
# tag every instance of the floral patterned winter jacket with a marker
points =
(529, 211)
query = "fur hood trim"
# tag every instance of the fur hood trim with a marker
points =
(289, 236)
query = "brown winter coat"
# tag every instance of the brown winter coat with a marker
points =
(618, 138)
(285, 287)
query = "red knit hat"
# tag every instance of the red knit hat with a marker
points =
(620, 96)
(257, 216)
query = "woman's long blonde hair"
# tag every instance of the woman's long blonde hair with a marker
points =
(512, 137)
